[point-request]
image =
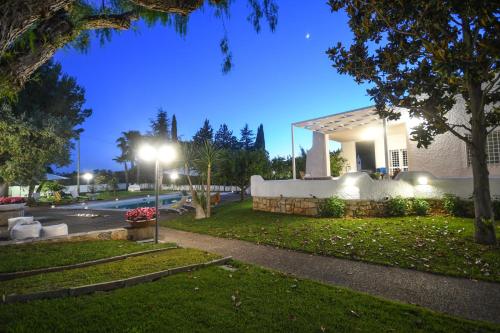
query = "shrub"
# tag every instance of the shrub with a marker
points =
(496, 208)
(453, 205)
(420, 207)
(333, 207)
(398, 206)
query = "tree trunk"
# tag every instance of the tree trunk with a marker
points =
(242, 193)
(31, 189)
(483, 212)
(17, 17)
(209, 172)
(126, 175)
(4, 189)
(200, 213)
(138, 173)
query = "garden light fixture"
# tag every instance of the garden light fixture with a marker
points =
(164, 154)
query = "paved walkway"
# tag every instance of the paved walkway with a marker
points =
(470, 299)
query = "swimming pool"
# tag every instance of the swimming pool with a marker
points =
(166, 200)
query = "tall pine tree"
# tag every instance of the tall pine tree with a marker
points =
(260, 141)
(246, 138)
(160, 125)
(224, 138)
(173, 132)
(205, 133)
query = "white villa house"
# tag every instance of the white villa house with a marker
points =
(369, 143)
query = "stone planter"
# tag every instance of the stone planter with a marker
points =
(6, 212)
(140, 230)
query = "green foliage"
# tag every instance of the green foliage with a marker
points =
(333, 207)
(398, 206)
(205, 133)
(246, 138)
(337, 163)
(453, 205)
(37, 129)
(224, 138)
(281, 168)
(160, 126)
(52, 186)
(420, 207)
(412, 49)
(260, 140)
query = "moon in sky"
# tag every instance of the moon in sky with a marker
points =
(308, 35)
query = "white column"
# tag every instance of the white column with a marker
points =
(318, 157)
(294, 172)
(386, 150)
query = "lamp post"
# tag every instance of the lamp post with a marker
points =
(174, 176)
(159, 154)
(88, 177)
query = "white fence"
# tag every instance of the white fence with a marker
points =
(22, 191)
(359, 185)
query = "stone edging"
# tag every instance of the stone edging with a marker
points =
(16, 275)
(107, 286)
(105, 234)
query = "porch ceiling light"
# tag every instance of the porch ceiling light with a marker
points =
(422, 180)
(371, 133)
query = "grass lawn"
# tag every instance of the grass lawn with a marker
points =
(24, 257)
(215, 300)
(116, 270)
(435, 244)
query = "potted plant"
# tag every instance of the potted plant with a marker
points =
(141, 217)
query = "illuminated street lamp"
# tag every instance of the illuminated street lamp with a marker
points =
(165, 154)
(88, 177)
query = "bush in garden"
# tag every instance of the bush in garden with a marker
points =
(333, 207)
(453, 205)
(420, 207)
(398, 206)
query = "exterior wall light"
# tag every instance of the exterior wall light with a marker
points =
(422, 180)
(350, 181)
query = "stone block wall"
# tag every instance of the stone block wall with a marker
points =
(311, 206)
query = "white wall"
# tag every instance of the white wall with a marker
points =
(359, 185)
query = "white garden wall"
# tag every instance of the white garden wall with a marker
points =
(359, 186)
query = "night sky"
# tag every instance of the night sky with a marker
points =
(278, 78)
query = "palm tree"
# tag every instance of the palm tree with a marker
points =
(208, 155)
(123, 144)
(189, 156)
(134, 139)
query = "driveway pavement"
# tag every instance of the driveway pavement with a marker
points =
(476, 300)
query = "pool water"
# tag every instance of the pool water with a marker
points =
(145, 202)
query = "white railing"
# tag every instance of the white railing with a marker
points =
(22, 191)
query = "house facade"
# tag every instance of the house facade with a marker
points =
(369, 143)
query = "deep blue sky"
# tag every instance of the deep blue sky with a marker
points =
(278, 78)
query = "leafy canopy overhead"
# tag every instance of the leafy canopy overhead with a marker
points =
(422, 55)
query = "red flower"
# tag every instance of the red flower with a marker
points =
(141, 214)
(11, 200)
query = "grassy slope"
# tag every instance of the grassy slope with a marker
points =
(214, 300)
(436, 244)
(15, 258)
(122, 269)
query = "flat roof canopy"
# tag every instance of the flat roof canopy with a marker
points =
(341, 121)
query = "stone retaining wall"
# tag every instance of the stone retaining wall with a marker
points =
(310, 206)
(108, 234)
